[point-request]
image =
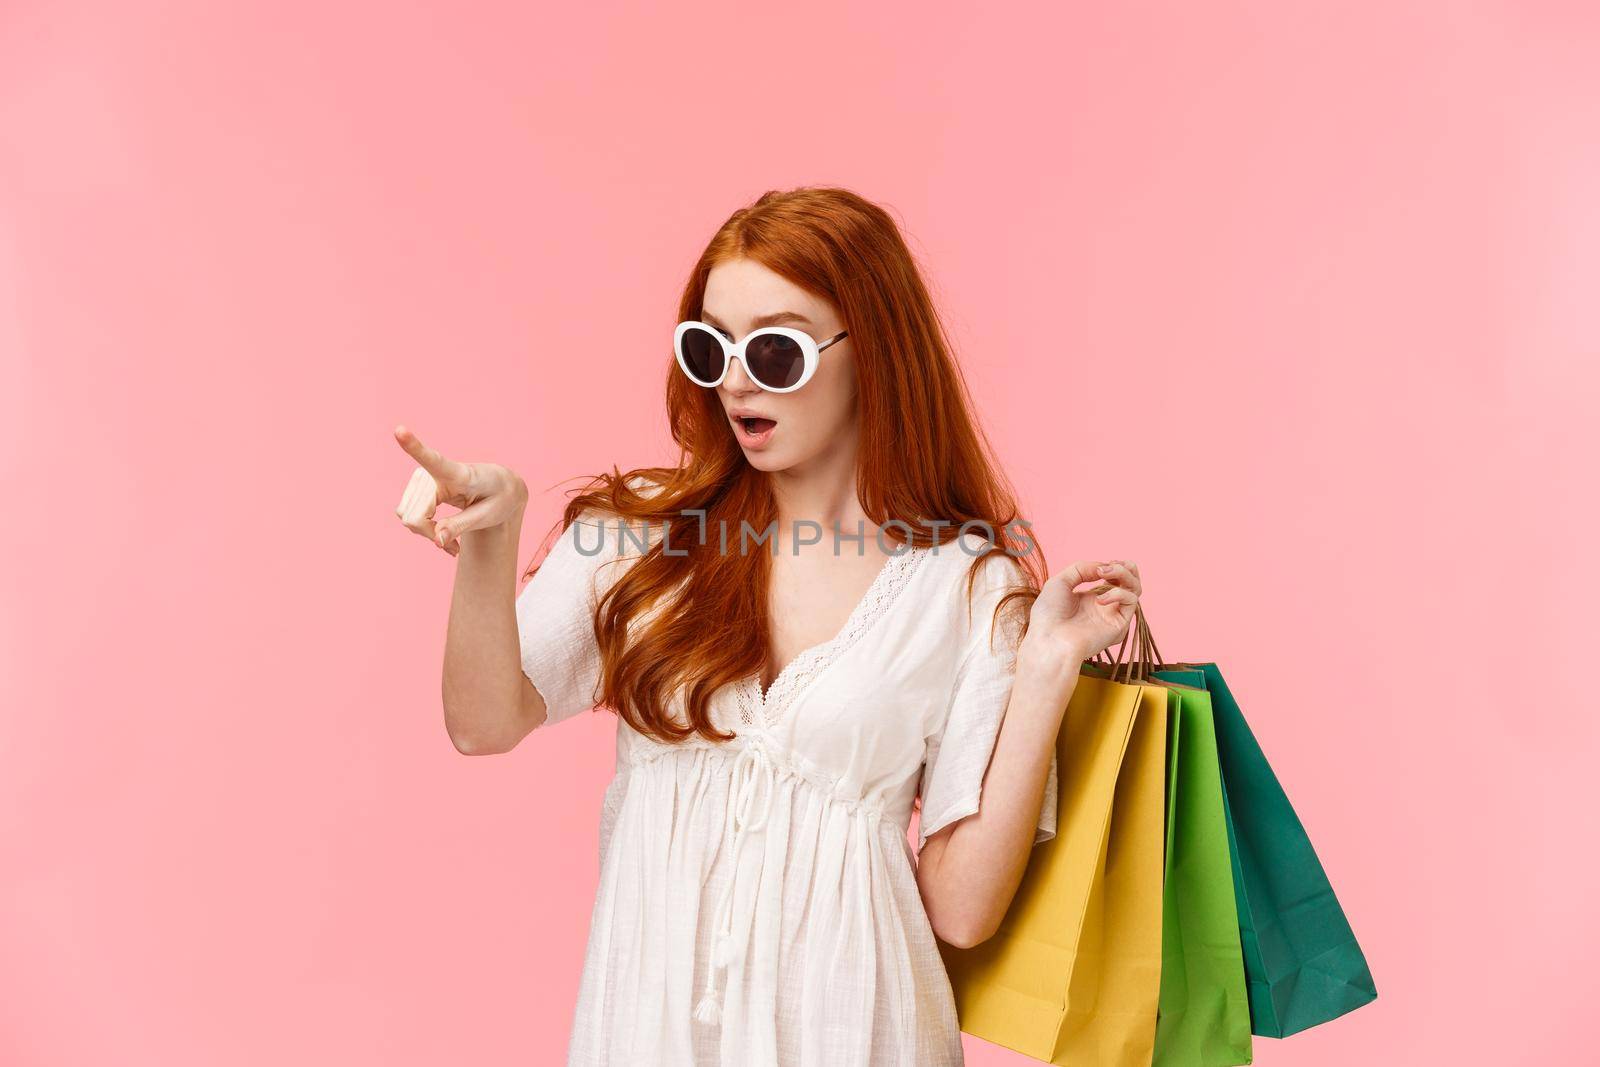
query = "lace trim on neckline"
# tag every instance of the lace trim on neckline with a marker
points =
(765, 709)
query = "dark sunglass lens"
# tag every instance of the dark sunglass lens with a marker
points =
(703, 353)
(776, 361)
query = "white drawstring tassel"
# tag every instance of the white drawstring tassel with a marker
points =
(709, 1010)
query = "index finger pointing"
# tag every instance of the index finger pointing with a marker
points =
(443, 470)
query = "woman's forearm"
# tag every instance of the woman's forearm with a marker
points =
(482, 674)
(969, 872)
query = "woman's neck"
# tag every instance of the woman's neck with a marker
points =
(824, 491)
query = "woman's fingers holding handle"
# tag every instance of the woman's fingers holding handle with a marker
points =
(1124, 573)
(1082, 570)
(1117, 595)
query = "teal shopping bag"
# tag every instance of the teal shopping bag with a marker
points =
(1302, 964)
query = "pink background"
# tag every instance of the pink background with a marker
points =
(1291, 303)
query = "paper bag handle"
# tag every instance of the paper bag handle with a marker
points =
(1145, 656)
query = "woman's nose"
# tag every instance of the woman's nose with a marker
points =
(737, 381)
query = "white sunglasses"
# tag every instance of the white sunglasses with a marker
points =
(778, 359)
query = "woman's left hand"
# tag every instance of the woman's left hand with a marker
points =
(1067, 623)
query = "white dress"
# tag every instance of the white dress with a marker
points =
(788, 846)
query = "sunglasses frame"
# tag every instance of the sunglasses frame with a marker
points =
(810, 351)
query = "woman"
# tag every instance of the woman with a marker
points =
(819, 619)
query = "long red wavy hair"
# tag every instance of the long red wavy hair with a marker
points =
(922, 459)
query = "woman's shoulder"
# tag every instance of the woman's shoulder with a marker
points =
(989, 563)
(606, 531)
(975, 573)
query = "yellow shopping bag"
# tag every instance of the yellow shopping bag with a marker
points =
(1073, 974)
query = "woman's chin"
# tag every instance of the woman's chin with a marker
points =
(767, 461)
(790, 455)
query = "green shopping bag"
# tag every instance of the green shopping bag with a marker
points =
(1302, 963)
(1204, 1012)
(1203, 1009)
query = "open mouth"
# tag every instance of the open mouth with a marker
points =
(754, 430)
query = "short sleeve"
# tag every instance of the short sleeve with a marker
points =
(958, 756)
(555, 614)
